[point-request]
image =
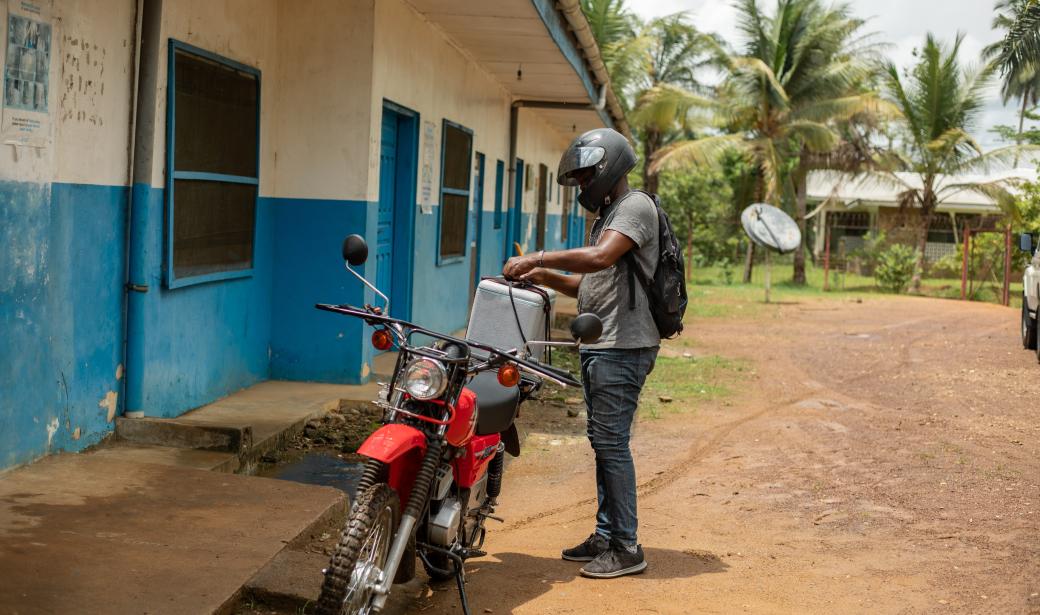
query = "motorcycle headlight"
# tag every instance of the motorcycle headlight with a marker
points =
(425, 379)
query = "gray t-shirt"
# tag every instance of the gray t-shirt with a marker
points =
(605, 293)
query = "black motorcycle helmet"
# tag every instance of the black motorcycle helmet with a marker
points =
(608, 153)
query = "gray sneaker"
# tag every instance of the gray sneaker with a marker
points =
(616, 561)
(588, 550)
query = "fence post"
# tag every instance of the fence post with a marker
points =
(1007, 265)
(826, 255)
(964, 264)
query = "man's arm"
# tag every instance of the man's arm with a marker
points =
(560, 282)
(611, 247)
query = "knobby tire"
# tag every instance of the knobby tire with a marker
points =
(363, 518)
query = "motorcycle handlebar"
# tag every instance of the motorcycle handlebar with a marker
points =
(562, 376)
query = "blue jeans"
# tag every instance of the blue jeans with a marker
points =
(613, 379)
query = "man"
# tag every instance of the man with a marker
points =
(614, 369)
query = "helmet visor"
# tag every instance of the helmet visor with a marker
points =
(577, 158)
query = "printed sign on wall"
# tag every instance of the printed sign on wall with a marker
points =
(27, 63)
(429, 147)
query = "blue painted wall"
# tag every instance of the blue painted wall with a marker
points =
(308, 344)
(61, 315)
(191, 345)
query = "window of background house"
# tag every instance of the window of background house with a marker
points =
(499, 172)
(213, 111)
(456, 151)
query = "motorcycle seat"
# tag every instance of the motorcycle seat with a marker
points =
(496, 405)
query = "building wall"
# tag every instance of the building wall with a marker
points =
(188, 346)
(194, 344)
(417, 67)
(62, 235)
(77, 222)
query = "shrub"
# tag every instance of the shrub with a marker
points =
(895, 267)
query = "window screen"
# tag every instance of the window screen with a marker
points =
(455, 189)
(212, 160)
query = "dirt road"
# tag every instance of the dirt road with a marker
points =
(877, 457)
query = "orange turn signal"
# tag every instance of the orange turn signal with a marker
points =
(381, 339)
(508, 375)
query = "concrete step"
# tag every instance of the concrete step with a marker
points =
(247, 424)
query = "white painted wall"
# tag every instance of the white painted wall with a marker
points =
(415, 65)
(315, 60)
(90, 73)
(324, 93)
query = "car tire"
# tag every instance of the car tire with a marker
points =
(1028, 327)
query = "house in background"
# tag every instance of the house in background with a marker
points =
(855, 206)
(168, 226)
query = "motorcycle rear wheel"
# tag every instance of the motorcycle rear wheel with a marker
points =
(361, 553)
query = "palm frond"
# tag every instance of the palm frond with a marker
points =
(706, 151)
(815, 136)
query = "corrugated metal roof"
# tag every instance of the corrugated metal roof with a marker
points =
(884, 192)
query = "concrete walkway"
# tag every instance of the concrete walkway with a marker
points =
(156, 525)
(89, 534)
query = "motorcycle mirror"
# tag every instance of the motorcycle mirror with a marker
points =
(587, 328)
(355, 250)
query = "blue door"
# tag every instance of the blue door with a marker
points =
(387, 198)
(515, 215)
(478, 219)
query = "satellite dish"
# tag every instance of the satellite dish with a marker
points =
(770, 227)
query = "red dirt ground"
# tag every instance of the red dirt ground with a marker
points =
(878, 457)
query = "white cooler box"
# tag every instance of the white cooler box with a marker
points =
(492, 322)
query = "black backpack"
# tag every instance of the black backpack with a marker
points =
(666, 292)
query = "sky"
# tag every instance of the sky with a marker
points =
(900, 23)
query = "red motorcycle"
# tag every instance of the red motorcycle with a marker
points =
(448, 422)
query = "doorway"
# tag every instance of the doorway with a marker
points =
(398, 156)
(516, 214)
(543, 191)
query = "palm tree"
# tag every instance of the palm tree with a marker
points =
(1017, 58)
(802, 69)
(672, 55)
(939, 101)
(615, 29)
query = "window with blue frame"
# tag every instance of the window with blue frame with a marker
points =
(499, 172)
(212, 162)
(456, 151)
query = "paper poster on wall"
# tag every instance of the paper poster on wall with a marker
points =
(27, 63)
(429, 146)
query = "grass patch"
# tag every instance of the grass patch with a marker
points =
(687, 382)
(716, 294)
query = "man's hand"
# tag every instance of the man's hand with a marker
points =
(537, 276)
(517, 266)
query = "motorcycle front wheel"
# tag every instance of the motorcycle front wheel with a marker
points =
(360, 556)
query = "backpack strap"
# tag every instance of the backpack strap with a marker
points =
(634, 270)
(634, 273)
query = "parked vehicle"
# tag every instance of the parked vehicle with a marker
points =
(434, 469)
(1030, 293)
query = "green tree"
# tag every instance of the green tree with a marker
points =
(939, 101)
(1016, 58)
(802, 70)
(700, 205)
(615, 29)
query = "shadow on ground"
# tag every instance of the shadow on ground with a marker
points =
(516, 579)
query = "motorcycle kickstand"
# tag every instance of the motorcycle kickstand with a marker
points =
(460, 580)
